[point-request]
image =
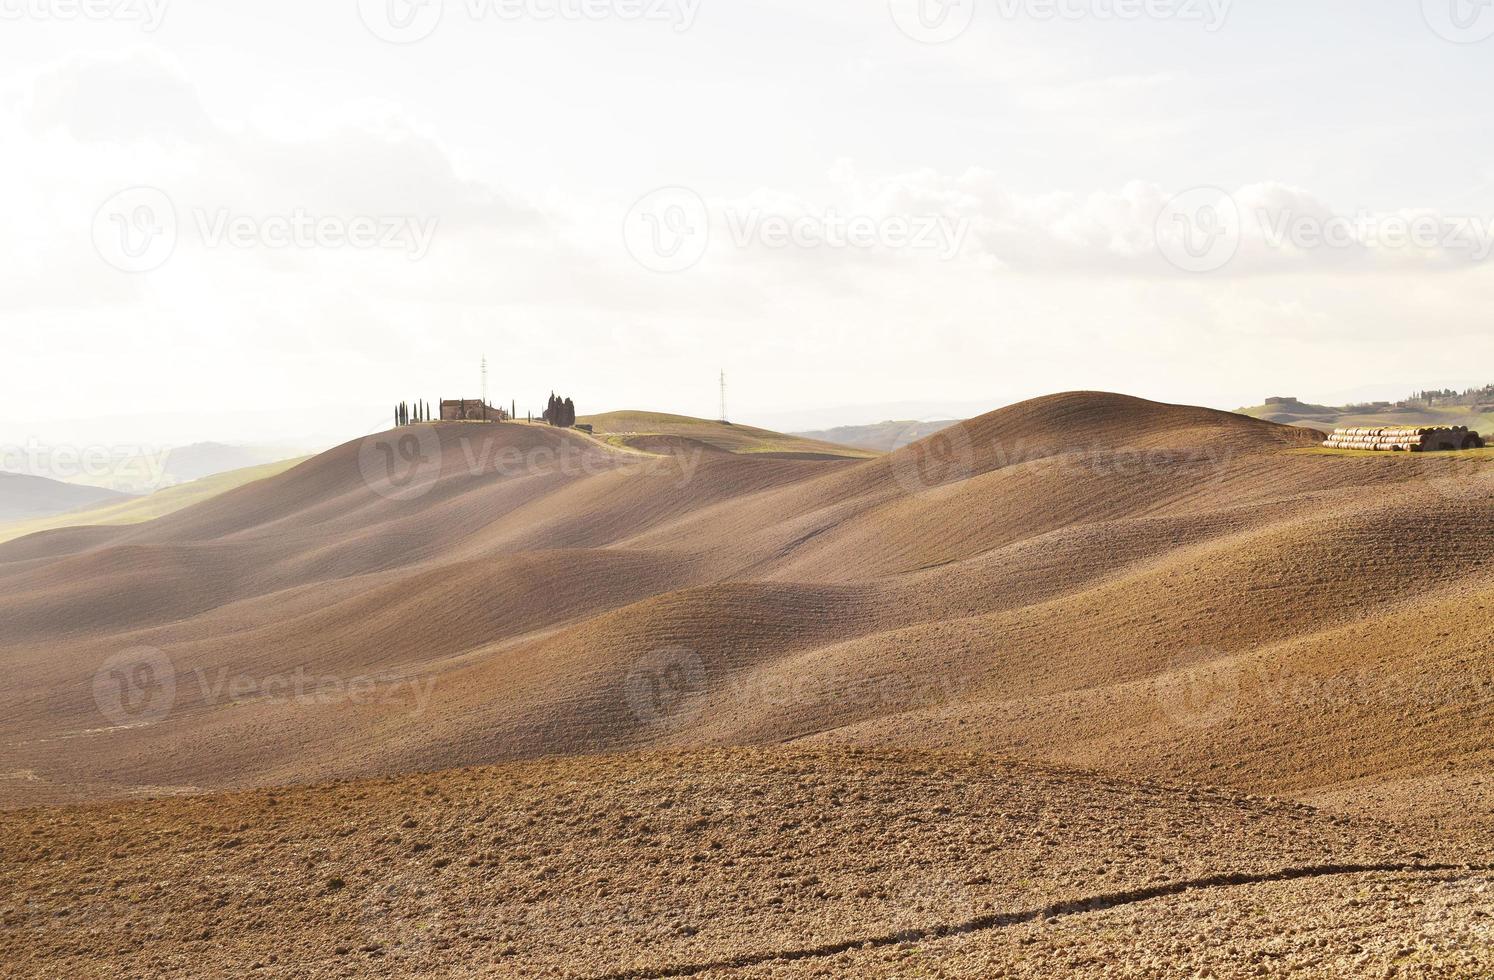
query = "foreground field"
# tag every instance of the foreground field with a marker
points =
(776, 863)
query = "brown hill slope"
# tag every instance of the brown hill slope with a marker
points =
(1088, 578)
(642, 430)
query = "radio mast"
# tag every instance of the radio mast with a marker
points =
(485, 385)
(723, 395)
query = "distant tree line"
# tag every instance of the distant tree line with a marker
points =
(560, 412)
(1448, 396)
(407, 414)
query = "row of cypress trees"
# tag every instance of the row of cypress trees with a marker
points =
(560, 413)
(406, 414)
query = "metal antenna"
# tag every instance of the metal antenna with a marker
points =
(485, 385)
(723, 395)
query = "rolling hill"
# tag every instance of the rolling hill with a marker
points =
(646, 429)
(1060, 661)
(30, 497)
(119, 509)
(881, 437)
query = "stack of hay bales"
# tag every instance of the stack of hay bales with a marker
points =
(1405, 438)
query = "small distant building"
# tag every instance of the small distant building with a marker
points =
(470, 410)
(1405, 439)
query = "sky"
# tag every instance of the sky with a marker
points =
(271, 221)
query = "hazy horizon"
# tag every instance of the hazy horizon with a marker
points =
(288, 431)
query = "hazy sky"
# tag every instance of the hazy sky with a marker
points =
(271, 220)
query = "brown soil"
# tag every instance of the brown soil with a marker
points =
(767, 862)
(1135, 600)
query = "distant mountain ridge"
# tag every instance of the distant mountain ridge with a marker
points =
(120, 509)
(143, 469)
(880, 437)
(25, 497)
